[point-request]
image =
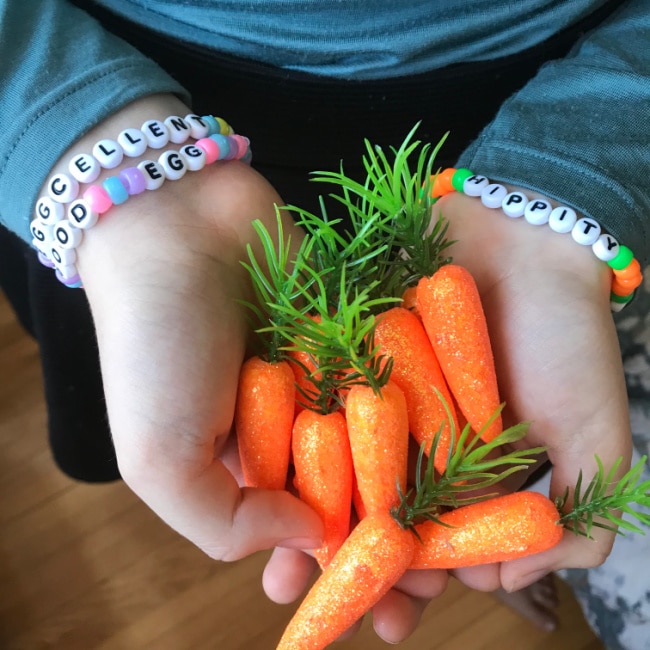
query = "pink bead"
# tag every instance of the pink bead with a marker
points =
(98, 199)
(211, 149)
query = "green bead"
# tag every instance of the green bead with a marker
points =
(621, 299)
(623, 259)
(459, 178)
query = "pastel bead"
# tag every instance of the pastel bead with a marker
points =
(173, 164)
(115, 190)
(154, 174)
(133, 180)
(242, 144)
(179, 129)
(213, 125)
(108, 153)
(81, 215)
(562, 219)
(45, 260)
(62, 257)
(156, 133)
(84, 168)
(49, 211)
(442, 182)
(493, 194)
(224, 127)
(198, 127)
(66, 236)
(194, 157)
(586, 231)
(537, 212)
(605, 247)
(63, 188)
(223, 144)
(474, 185)
(211, 149)
(622, 259)
(97, 198)
(68, 275)
(514, 204)
(133, 142)
(459, 178)
(247, 157)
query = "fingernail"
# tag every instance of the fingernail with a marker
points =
(526, 580)
(300, 542)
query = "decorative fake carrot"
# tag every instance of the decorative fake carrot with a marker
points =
(302, 364)
(400, 334)
(379, 436)
(496, 530)
(263, 421)
(372, 559)
(451, 310)
(324, 474)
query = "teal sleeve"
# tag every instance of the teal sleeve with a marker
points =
(579, 131)
(60, 75)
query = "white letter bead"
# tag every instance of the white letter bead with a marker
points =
(179, 129)
(81, 216)
(173, 164)
(41, 232)
(66, 271)
(493, 195)
(108, 153)
(49, 211)
(586, 231)
(62, 257)
(198, 128)
(537, 212)
(63, 188)
(514, 204)
(154, 174)
(474, 185)
(66, 236)
(133, 142)
(193, 156)
(605, 247)
(85, 168)
(562, 219)
(156, 133)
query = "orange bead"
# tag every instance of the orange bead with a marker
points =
(631, 270)
(627, 285)
(442, 182)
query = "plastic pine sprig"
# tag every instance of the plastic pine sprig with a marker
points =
(596, 505)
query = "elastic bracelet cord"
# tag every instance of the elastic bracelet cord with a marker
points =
(626, 269)
(62, 215)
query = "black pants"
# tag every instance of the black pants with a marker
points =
(297, 123)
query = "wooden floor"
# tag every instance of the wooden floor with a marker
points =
(91, 568)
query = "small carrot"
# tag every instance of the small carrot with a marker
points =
(451, 310)
(409, 299)
(496, 530)
(400, 335)
(263, 421)
(324, 474)
(371, 560)
(302, 364)
(379, 436)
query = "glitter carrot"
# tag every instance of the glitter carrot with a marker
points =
(452, 313)
(379, 434)
(372, 559)
(324, 474)
(495, 530)
(400, 335)
(263, 422)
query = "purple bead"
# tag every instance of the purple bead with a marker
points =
(133, 179)
(45, 260)
(74, 282)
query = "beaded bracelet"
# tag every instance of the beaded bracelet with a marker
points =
(56, 237)
(626, 269)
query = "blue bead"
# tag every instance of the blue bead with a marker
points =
(223, 144)
(115, 190)
(213, 125)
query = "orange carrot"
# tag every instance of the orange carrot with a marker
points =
(400, 334)
(379, 436)
(496, 530)
(370, 562)
(302, 364)
(451, 310)
(263, 421)
(409, 299)
(323, 464)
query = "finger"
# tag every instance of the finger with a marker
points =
(287, 574)
(485, 577)
(396, 615)
(423, 583)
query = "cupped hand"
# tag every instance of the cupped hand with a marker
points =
(558, 362)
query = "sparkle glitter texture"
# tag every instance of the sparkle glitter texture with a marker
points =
(496, 530)
(370, 562)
